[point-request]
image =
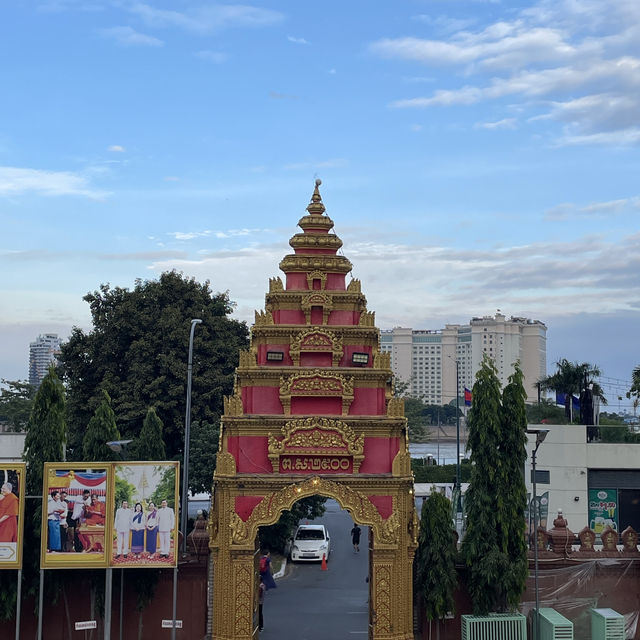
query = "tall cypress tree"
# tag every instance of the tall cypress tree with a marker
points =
(100, 430)
(149, 445)
(436, 576)
(483, 547)
(514, 455)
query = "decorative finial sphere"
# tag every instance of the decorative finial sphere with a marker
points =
(318, 182)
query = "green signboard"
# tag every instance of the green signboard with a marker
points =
(603, 509)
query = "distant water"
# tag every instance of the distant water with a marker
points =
(444, 453)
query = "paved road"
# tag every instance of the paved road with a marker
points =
(311, 604)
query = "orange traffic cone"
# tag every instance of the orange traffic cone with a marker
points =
(324, 562)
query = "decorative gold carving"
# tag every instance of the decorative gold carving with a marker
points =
(383, 587)
(225, 464)
(233, 405)
(322, 262)
(239, 528)
(317, 241)
(367, 319)
(263, 318)
(247, 359)
(401, 465)
(317, 299)
(275, 284)
(316, 383)
(382, 360)
(316, 436)
(243, 601)
(317, 275)
(354, 286)
(362, 509)
(316, 340)
(395, 407)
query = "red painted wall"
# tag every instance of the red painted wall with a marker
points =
(311, 359)
(262, 355)
(289, 316)
(316, 406)
(250, 453)
(261, 400)
(379, 454)
(368, 402)
(349, 318)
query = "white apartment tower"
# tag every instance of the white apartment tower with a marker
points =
(427, 359)
(42, 352)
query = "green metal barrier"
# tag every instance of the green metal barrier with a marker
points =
(495, 626)
(554, 626)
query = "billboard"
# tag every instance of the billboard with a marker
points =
(75, 521)
(12, 490)
(603, 510)
(145, 522)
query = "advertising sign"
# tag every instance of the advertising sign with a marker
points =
(75, 522)
(603, 509)
(542, 512)
(144, 508)
(12, 490)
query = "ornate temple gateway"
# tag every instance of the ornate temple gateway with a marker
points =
(313, 413)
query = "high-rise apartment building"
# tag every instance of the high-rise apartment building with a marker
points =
(42, 352)
(426, 360)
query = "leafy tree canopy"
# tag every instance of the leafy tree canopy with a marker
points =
(202, 458)
(137, 352)
(149, 445)
(16, 400)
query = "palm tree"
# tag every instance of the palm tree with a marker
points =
(635, 389)
(571, 378)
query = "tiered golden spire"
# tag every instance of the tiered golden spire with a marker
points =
(315, 206)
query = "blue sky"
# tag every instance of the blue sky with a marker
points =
(475, 156)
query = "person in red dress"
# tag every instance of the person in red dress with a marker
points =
(8, 514)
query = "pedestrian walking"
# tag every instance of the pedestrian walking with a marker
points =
(261, 591)
(355, 538)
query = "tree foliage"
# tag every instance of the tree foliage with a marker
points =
(202, 459)
(100, 430)
(545, 411)
(439, 472)
(436, 576)
(493, 547)
(16, 400)
(46, 431)
(570, 378)
(149, 445)
(137, 351)
(276, 536)
(634, 391)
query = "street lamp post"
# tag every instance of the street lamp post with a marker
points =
(540, 434)
(187, 433)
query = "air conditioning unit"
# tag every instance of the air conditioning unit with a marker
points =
(495, 626)
(554, 626)
(606, 624)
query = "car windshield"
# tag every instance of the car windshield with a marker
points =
(310, 534)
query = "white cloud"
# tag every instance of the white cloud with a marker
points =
(505, 123)
(207, 18)
(297, 40)
(16, 181)
(188, 235)
(129, 37)
(602, 209)
(116, 148)
(212, 56)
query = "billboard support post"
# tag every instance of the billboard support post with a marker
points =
(40, 603)
(108, 584)
(175, 601)
(18, 603)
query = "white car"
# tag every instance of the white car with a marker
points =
(310, 542)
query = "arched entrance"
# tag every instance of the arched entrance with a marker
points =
(313, 414)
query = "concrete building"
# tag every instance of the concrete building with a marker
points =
(426, 359)
(42, 352)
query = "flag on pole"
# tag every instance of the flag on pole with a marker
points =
(467, 397)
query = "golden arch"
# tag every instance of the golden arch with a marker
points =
(235, 554)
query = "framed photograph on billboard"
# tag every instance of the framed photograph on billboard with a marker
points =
(145, 514)
(75, 515)
(12, 490)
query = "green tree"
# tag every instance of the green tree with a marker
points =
(149, 445)
(137, 351)
(46, 431)
(570, 378)
(546, 410)
(165, 489)
(483, 547)
(205, 438)
(44, 442)
(436, 576)
(514, 497)
(16, 400)
(634, 391)
(100, 430)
